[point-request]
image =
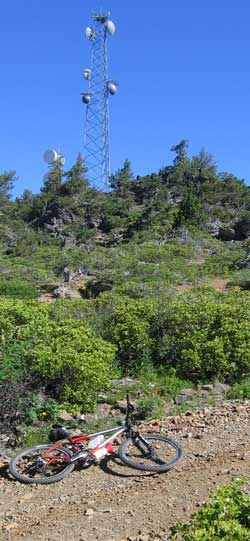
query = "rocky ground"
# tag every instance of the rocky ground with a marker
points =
(116, 503)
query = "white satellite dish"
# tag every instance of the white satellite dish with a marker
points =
(110, 27)
(50, 156)
(89, 33)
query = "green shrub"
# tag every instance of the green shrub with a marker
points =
(127, 326)
(226, 518)
(12, 366)
(199, 332)
(15, 339)
(151, 407)
(241, 279)
(17, 289)
(164, 382)
(240, 390)
(16, 316)
(75, 363)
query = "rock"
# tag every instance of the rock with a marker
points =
(65, 416)
(187, 392)
(63, 292)
(179, 399)
(102, 399)
(208, 387)
(220, 388)
(103, 410)
(122, 405)
(90, 417)
(125, 381)
(213, 227)
(89, 512)
(68, 241)
(42, 397)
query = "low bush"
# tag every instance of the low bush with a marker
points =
(127, 326)
(152, 407)
(225, 518)
(18, 289)
(240, 390)
(73, 361)
(201, 332)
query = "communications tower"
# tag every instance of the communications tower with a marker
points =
(96, 130)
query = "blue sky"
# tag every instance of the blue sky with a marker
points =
(182, 68)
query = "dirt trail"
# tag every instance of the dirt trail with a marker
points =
(116, 503)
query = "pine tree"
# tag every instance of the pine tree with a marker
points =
(53, 180)
(6, 184)
(75, 178)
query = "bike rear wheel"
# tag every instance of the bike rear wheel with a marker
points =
(157, 454)
(30, 466)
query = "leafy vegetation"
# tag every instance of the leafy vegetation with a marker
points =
(225, 518)
(130, 254)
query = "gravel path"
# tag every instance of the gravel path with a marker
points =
(117, 503)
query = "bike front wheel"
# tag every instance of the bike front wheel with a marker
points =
(36, 465)
(150, 452)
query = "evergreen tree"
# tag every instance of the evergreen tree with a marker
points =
(53, 180)
(121, 180)
(181, 152)
(75, 178)
(6, 184)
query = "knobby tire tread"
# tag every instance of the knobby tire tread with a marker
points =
(44, 480)
(146, 467)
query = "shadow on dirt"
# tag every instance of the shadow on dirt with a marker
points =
(4, 472)
(114, 466)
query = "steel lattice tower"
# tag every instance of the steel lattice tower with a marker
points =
(96, 131)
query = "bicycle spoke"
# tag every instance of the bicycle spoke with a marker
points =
(154, 452)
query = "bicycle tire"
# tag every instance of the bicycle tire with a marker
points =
(165, 466)
(43, 480)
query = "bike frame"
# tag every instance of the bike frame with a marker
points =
(76, 440)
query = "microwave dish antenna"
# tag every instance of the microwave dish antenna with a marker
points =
(52, 156)
(110, 27)
(89, 33)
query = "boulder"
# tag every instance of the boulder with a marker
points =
(64, 292)
(220, 388)
(187, 392)
(90, 417)
(103, 410)
(179, 399)
(65, 416)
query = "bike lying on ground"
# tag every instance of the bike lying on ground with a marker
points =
(45, 464)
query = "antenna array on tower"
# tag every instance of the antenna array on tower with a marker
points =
(96, 131)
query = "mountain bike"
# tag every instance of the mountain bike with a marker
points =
(44, 464)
